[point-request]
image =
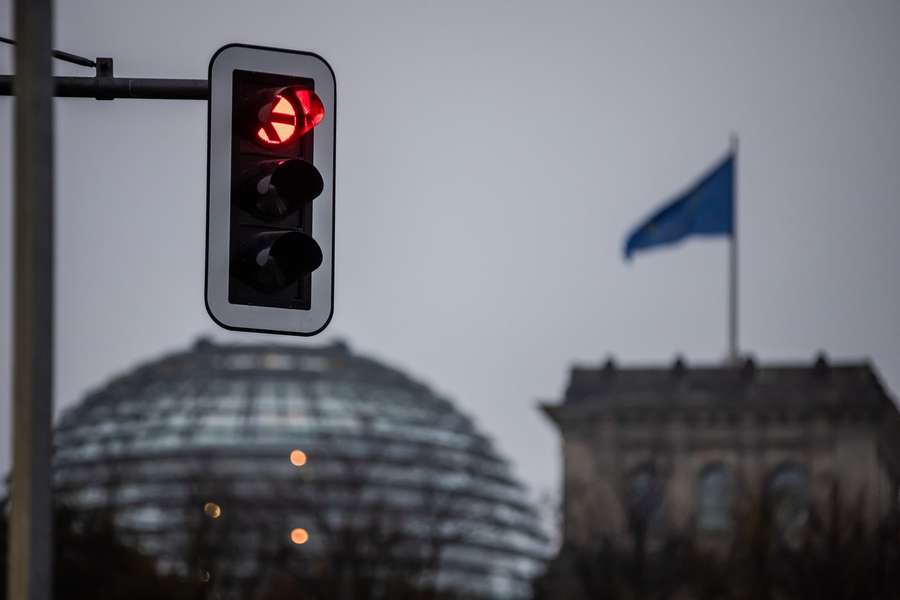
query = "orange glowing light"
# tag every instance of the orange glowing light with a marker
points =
(299, 536)
(298, 458)
(278, 122)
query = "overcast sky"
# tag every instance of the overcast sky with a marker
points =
(490, 159)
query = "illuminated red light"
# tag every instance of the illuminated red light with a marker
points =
(278, 122)
(312, 109)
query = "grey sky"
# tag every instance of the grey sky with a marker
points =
(490, 159)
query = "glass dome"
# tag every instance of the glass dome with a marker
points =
(254, 466)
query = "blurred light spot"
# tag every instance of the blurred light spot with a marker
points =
(203, 576)
(299, 536)
(212, 510)
(298, 458)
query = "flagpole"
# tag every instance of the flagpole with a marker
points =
(733, 263)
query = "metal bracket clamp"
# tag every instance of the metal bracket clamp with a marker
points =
(104, 79)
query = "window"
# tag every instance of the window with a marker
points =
(313, 363)
(645, 500)
(716, 507)
(275, 361)
(241, 361)
(788, 495)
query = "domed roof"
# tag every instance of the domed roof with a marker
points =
(297, 443)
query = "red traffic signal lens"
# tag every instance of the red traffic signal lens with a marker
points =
(312, 111)
(277, 122)
(291, 113)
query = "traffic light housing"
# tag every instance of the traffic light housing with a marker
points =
(270, 190)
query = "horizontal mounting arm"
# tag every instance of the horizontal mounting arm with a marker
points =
(108, 88)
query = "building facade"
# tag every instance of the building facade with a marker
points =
(655, 452)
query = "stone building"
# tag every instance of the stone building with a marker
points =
(683, 449)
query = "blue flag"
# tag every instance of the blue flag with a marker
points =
(707, 208)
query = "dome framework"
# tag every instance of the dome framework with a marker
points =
(198, 458)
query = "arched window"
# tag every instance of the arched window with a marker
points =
(788, 495)
(716, 507)
(645, 499)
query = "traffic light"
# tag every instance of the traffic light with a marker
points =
(270, 190)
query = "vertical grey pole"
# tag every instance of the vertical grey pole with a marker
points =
(30, 540)
(733, 266)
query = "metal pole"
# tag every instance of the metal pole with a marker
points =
(733, 262)
(107, 88)
(30, 540)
